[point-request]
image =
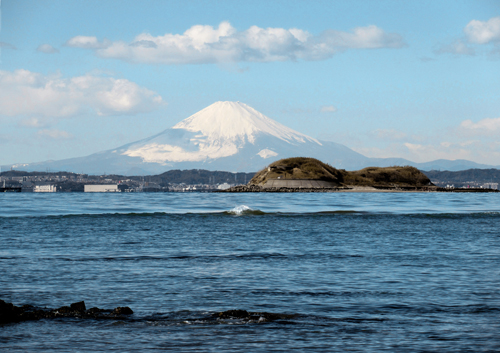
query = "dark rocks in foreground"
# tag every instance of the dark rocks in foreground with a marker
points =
(252, 316)
(10, 313)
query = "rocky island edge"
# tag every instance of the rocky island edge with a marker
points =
(302, 174)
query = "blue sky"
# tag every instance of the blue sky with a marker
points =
(418, 80)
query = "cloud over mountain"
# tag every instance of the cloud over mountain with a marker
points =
(224, 44)
(23, 92)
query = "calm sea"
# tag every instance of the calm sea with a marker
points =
(401, 272)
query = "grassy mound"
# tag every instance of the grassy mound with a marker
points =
(388, 176)
(313, 169)
(298, 168)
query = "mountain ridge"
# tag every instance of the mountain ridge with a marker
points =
(229, 136)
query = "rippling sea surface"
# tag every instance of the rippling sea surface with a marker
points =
(402, 272)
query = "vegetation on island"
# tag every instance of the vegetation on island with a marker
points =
(406, 176)
(298, 168)
(312, 169)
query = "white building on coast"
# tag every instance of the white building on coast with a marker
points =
(44, 188)
(101, 188)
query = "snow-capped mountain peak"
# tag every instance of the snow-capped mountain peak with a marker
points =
(220, 130)
(238, 121)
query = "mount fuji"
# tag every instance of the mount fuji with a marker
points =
(228, 136)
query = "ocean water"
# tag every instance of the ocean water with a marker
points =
(400, 272)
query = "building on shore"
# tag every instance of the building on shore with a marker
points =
(44, 188)
(223, 186)
(101, 188)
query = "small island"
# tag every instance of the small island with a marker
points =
(301, 174)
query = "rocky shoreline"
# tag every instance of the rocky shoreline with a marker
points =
(9, 313)
(257, 188)
(302, 174)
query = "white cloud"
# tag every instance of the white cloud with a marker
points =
(475, 141)
(206, 44)
(483, 148)
(328, 109)
(23, 92)
(87, 42)
(476, 33)
(473, 150)
(457, 47)
(369, 37)
(488, 126)
(55, 134)
(47, 49)
(446, 150)
(483, 32)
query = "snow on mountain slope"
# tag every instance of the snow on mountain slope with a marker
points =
(220, 130)
(236, 121)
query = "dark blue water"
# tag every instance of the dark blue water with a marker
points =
(408, 272)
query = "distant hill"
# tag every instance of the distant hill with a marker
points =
(20, 173)
(463, 177)
(201, 176)
(191, 176)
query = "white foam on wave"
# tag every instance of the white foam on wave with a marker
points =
(239, 210)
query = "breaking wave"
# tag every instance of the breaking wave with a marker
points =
(244, 210)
